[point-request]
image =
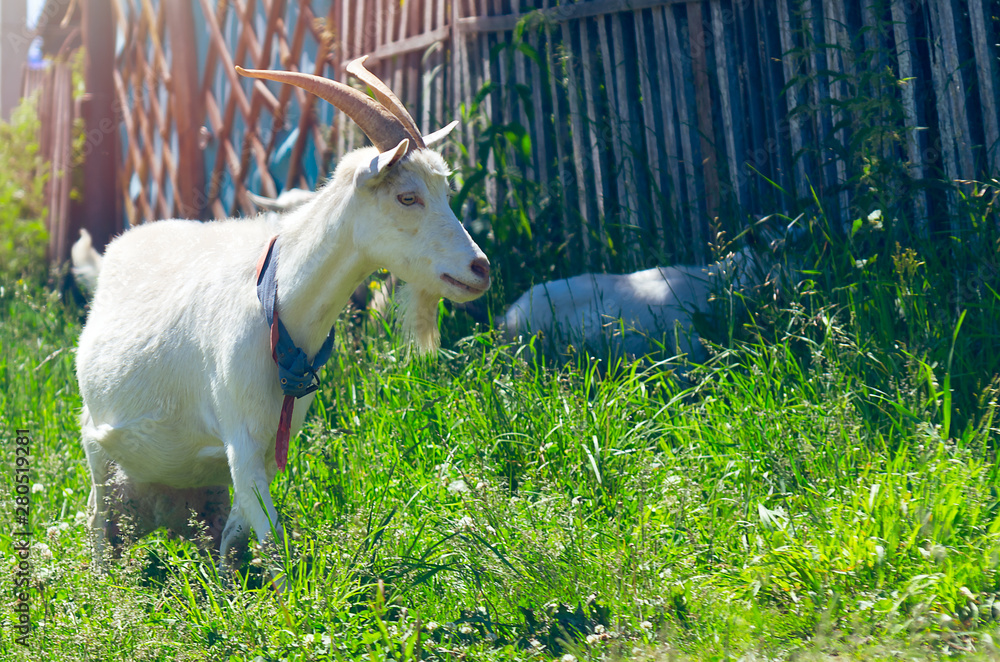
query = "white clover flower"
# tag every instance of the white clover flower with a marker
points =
(52, 531)
(568, 657)
(593, 639)
(37, 487)
(458, 486)
(43, 551)
(326, 640)
(430, 626)
(646, 625)
(599, 629)
(860, 264)
(466, 523)
(67, 491)
(309, 639)
(465, 629)
(875, 218)
(80, 518)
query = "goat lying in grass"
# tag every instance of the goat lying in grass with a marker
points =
(627, 315)
(177, 362)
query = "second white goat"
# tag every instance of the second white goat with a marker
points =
(627, 315)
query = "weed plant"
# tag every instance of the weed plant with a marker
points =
(22, 196)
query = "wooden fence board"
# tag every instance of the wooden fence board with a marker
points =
(790, 65)
(703, 101)
(955, 87)
(942, 97)
(562, 117)
(649, 123)
(597, 142)
(638, 110)
(904, 48)
(614, 121)
(633, 220)
(685, 129)
(667, 105)
(577, 136)
(726, 108)
(985, 78)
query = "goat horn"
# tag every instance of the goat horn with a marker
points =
(380, 125)
(386, 97)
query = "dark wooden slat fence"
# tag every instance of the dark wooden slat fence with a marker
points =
(648, 118)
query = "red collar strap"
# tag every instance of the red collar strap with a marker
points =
(296, 374)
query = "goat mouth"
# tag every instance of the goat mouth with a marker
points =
(471, 289)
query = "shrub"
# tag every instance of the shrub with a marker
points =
(23, 236)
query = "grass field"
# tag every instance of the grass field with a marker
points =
(781, 504)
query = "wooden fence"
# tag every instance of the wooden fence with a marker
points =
(646, 118)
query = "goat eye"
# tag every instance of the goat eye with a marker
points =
(408, 199)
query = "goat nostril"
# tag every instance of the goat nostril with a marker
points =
(481, 267)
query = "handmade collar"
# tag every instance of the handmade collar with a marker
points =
(295, 373)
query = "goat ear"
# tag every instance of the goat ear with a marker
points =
(381, 163)
(440, 134)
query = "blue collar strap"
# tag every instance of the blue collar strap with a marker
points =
(298, 376)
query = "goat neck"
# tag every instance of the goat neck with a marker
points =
(319, 266)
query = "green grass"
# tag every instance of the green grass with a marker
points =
(784, 504)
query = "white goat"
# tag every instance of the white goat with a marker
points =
(627, 315)
(181, 394)
(86, 262)
(287, 201)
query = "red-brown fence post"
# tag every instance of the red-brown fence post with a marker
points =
(100, 149)
(188, 114)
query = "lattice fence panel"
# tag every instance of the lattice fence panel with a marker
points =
(646, 119)
(197, 136)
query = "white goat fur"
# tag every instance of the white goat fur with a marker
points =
(86, 262)
(627, 315)
(181, 396)
(376, 300)
(287, 201)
